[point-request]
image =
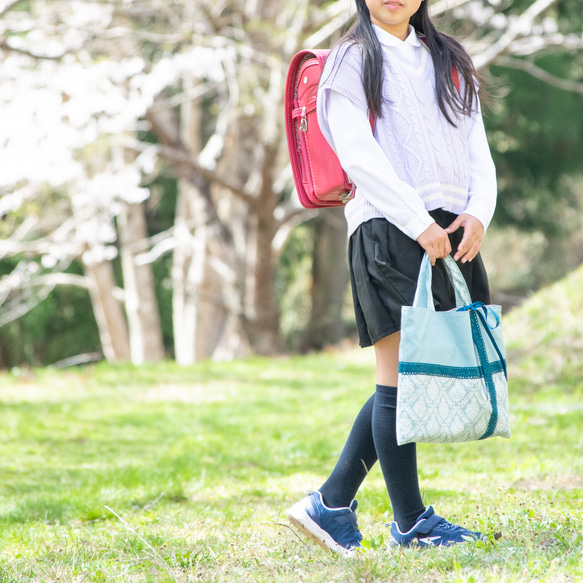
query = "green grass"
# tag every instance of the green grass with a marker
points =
(162, 473)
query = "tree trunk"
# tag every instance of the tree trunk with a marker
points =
(199, 312)
(110, 318)
(208, 288)
(263, 326)
(266, 339)
(329, 279)
(183, 301)
(140, 297)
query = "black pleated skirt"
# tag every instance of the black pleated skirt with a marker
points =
(384, 266)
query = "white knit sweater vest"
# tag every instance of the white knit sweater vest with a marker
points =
(427, 152)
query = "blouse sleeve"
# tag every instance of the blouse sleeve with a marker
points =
(351, 137)
(483, 188)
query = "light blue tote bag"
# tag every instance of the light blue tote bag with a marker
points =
(453, 385)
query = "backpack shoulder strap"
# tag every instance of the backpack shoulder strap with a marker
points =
(321, 55)
(455, 77)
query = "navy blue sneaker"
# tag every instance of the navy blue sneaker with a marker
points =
(334, 529)
(432, 530)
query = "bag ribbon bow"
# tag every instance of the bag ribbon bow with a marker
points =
(477, 306)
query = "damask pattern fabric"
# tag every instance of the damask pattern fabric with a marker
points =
(452, 371)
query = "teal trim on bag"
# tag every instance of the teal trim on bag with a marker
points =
(443, 355)
(477, 306)
(485, 370)
(494, 343)
(458, 372)
(488, 378)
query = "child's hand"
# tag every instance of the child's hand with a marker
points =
(436, 242)
(472, 239)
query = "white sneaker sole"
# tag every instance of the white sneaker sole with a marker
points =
(298, 517)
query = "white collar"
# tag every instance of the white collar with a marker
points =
(388, 39)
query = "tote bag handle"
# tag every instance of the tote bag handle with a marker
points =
(423, 293)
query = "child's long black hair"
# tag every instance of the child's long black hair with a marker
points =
(444, 49)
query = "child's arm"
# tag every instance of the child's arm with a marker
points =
(369, 168)
(482, 193)
(483, 188)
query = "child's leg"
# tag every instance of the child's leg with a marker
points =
(387, 359)
(354, 463)
(398, 462)
(328, 516)
(373, 436)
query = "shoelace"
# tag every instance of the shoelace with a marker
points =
(353, 527)
(446, 525)
(349, 521)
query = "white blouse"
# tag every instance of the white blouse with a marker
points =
(382, 191)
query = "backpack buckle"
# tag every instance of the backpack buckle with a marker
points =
(303, 121)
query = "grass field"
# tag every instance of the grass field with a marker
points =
(161, 473)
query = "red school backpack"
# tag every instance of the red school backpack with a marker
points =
(319, 178)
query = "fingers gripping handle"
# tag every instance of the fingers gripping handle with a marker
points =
(424, 295)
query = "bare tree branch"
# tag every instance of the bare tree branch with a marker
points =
(535, 44)
(445, 5)
(291, 218)
(10, 247)
(229, 95)
(17, 281)
(8, 5)
(53, 279)
(191, 95)
(520, 27)
(538, 73)
(78, 359)
(154, 247)
(20, 309)
(153, 37)
(339, 21)
(23, 230)
(184, 159)
(172, 147)
(5, 46)
(295, 27)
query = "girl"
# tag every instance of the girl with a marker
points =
(425, 183)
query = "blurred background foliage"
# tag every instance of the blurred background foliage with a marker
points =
(535, 128)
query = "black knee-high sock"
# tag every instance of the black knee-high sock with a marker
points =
(398, 462)
(355, 461)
